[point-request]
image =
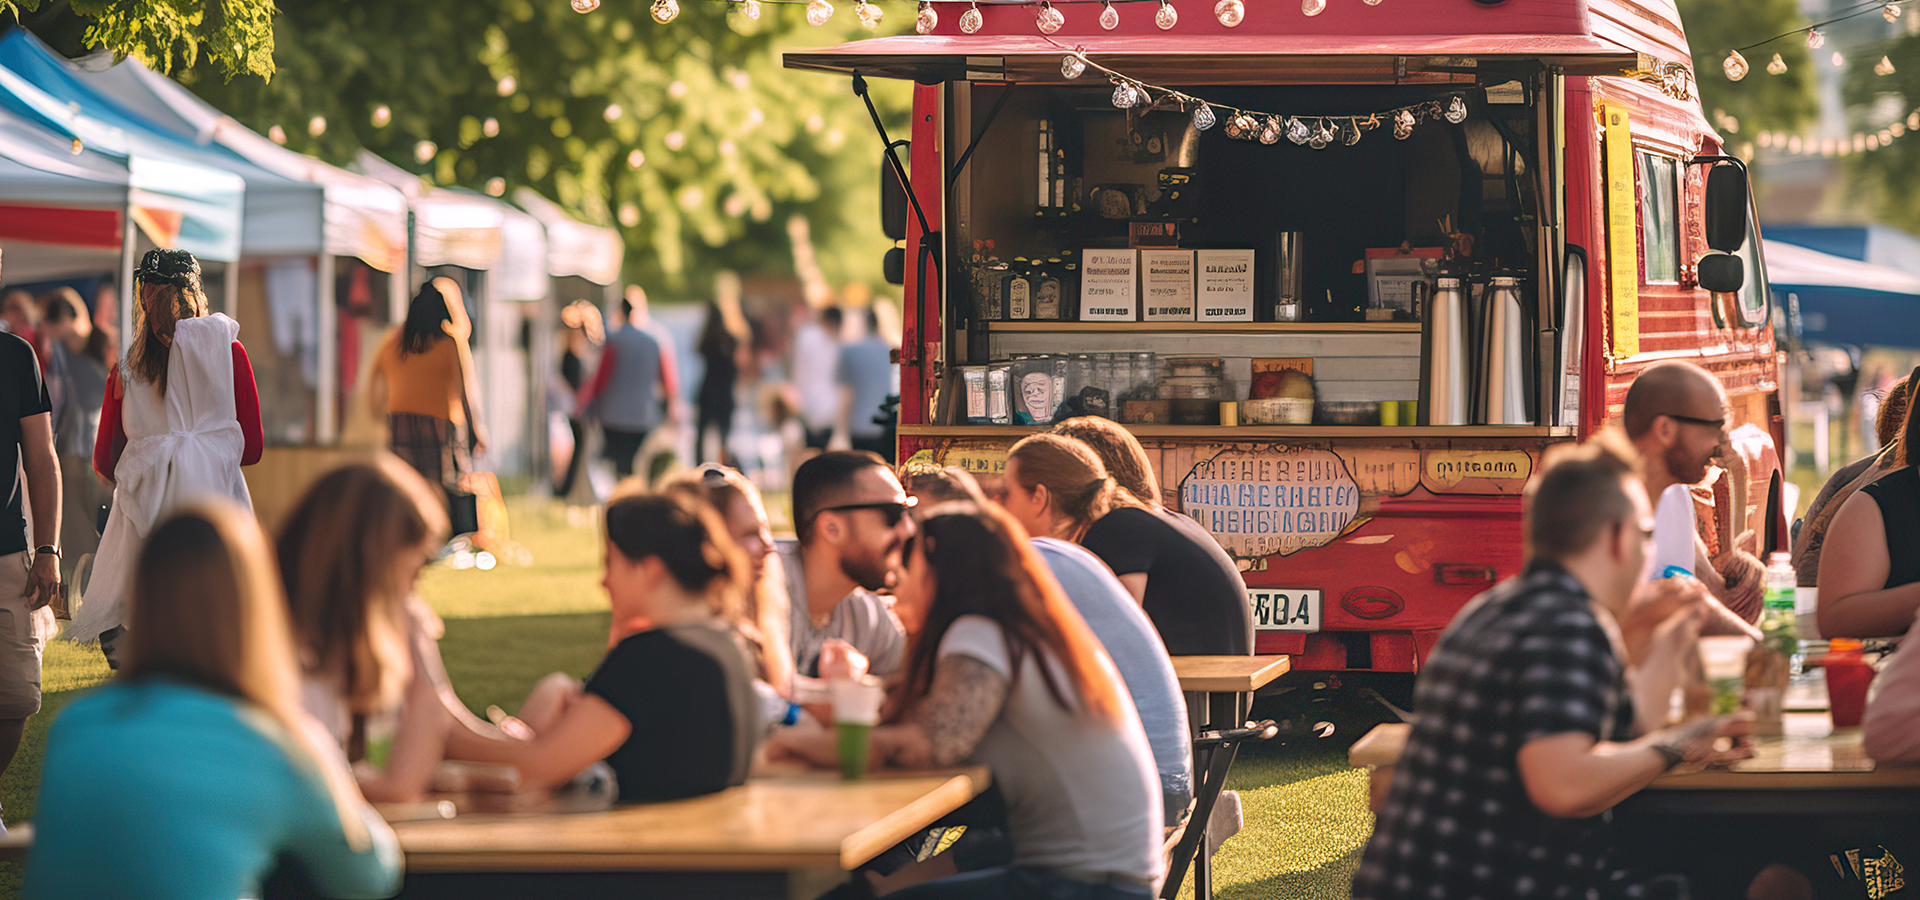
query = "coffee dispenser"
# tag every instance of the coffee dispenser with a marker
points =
(1448, 376)
(1502, 355)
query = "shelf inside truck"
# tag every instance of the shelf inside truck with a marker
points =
(1260, 432)
(1212, 327)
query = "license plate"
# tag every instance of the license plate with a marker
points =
(1285, 609)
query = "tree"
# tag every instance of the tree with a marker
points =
(1889, 175)
(234, 36)
(1762, 101)
(690, 135)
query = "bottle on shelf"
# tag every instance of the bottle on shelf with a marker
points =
(1046, 290)
(1020, 290)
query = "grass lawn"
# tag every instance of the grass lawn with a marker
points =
(1305, 810)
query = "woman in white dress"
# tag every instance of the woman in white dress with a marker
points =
(180, 417)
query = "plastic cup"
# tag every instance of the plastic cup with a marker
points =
(856, 709)
(1848, 678)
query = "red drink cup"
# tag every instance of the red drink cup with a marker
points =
(1847, 681)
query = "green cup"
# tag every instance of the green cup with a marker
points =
(856, 709)
(855, 741)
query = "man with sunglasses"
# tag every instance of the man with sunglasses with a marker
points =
(850, 513)
(1676, 415)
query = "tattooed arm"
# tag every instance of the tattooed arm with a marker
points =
(944, 726)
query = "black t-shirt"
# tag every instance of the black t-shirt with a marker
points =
(24, 394)
(1897, 493)
(1195, 595)
(687, 692)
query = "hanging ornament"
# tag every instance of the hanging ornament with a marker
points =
(868, 14)
(751, 9)
(1890, 12)
(1272, 130)
(1296, 130)
(1322, 135)
(1048, 19)
(1372, 2)
(1125, 95)
(1243, 126)
(1203, 118)
(1350, 132)
(1456, 110)
(665, 11)
(1167, 17)
(970, 21)
(585, 6)
(1109, 17)
(1403, 124)
(1816, 39)
(1313, 7)
(1230, 12)
(277, 134)
(924, 22)
(1883, 67)
(1072, 65)
(1776, 66)
(1735, 65)
(818, 12)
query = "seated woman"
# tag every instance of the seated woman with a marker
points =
(368, 645)
(1005, 673)
(194, 772)
(1869, 575)
(762, 622)
(671, 708)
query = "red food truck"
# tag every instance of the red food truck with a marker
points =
(1467, 223)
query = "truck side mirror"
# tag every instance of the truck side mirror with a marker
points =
(1722, 273)
(1726, 211)
(893, 201)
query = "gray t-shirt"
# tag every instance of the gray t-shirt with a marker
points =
(1124, 629)
(1082, 795)
(862, 618)
(866, 366)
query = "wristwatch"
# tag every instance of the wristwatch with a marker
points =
(47, 548)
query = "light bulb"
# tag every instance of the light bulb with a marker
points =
(927, 20)
(507, 85)
(1838, 60)
(818, 12)
(970, 21)
(1230, 12)
(1048, 19)
(381, 116)
(424, 152)
(1203, 117)
(629, 215)
(1125, 95)
(1456, 110)
(317, 126)
(1296, 130)
(1816, 39)
(751, 9)
(585, 6)
(1890, 12)
(1883, 67)
(491, 127)
(1313, 7)
(636, 159)
(1167, 17)
(1350, 132)
(1321, 136)
(1403, 124)
(613, 112)
(665, 11)
(1776, 66)
(1109, 17)
(1372, 2)
(1072, 65)
(496, 187)
(76, 147)
(1272, 131)
(868, 14)
(277, 135)
(1735, 65)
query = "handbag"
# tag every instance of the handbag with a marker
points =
(463, 511)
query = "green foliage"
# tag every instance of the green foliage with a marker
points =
(1891, 174)
(1762, 101)
(235, 37)
(729, 144)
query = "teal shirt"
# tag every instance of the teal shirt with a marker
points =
(163, 790)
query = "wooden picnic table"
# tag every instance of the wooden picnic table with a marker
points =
(1228, 682)
(777, 836)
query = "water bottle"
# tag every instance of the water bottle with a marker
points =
(1777, 619)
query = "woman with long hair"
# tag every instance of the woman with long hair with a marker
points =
(367, 644)
(1178, 573)
(180, 417)
(195, 771)
(1004, 672)
(726, 348)
(671, 708)
(424, 384)
(1869, 575)
(762, 621)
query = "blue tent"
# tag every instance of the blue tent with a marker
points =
(1845, 301)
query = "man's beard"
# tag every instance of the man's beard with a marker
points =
(1683, 468)
(867, 571)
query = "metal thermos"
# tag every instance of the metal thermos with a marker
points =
(1503, 355)
(1447, 361)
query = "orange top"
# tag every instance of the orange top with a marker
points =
(425, 383)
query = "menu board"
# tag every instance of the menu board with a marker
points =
(1109, 286)
(1166, 285)
(1226, 285)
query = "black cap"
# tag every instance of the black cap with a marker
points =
(175, 267)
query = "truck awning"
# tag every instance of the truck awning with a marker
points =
(1227, 59)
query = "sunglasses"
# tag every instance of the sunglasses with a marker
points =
(1696, 420)
(891, 511)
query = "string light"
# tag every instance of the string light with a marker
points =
(1230, 12)
(750, 9)
(1109, 17)
(424, 152)
(1777, 66)
(1048, 19)
(868, 14)
(1166, 17)
(665, 11)
(1884, 67)
(1838, 60)
(491, 127)
(496, 186)
(1815, 39)
(585, 6)
(317, 126)
(507, 85)
(927, 20)
(381, 116)
(277, 135)
(1313, 7)
(1203, 117)
(818, 12)
(971, 20)
(1890, 12)
(1072, 65)
(1735, 65)
(1786, 145)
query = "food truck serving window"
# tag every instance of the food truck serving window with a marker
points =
(1659, 217)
